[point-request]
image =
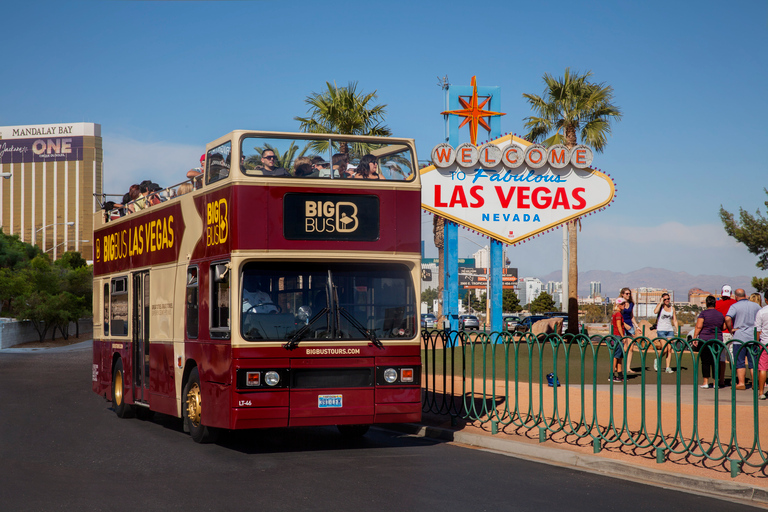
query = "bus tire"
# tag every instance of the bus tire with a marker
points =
(353, 431)
(122, 409)
(193, 410)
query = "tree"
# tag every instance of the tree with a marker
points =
(510, 301)
(344, 110)
(438, 231)
(543, 303)
(428, 296)
(751, 231)
(572, 104)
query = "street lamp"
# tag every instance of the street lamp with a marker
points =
(70, 241)
(6, 175)
(70, 224)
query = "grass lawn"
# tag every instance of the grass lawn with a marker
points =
(523, 361)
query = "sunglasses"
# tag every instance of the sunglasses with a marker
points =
(268, 157)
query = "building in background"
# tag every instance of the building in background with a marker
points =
(51, 172)
(646, 300)
(555, 289)
(698, 297)
(529, 288)
(595, 289)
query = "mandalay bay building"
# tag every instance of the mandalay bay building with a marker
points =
(50, 173)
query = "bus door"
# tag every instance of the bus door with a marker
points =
(141, 336)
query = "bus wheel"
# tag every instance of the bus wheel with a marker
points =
(122, 409)
(193, 411)
(352, 431)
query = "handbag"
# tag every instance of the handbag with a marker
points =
(656, 323)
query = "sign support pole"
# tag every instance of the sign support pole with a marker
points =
(451, 233)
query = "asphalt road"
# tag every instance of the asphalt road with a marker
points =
(63, 448)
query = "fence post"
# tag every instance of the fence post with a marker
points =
(659, 455)
(542, 434)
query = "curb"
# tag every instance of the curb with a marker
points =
(732, 491)
(67, 348)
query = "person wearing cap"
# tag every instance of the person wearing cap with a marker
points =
(617, 324)
(723, 304)
(322, 167)
(740, 320)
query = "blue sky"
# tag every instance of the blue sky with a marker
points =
(165, 78)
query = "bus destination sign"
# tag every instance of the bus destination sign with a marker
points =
(340, 217)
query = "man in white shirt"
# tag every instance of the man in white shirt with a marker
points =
(761, 324)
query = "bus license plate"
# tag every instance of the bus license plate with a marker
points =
(326, 401)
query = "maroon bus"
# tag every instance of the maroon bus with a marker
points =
(280, 290)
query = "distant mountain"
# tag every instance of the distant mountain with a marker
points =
(680, 282)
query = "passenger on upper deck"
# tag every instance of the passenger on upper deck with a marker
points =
(341, 165)
(303, 168)
(321, 167)
(268, 166)
(368, 168)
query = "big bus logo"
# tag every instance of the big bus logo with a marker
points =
(217, 229)
(351, 217)
(330, 216)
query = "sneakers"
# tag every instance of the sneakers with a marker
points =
(761, 397)
(707, 386)
(616, 378)
(655, 365)
(669, 370)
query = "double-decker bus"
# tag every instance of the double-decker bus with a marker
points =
(274, 294)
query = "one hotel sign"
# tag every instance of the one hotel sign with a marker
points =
(510, 189)
(52, 171)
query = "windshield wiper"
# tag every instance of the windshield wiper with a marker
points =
(371, 335)
(294, 341)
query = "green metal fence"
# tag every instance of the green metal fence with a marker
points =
(509, 382)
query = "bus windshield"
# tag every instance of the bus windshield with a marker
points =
(330, 301)
(316, 157)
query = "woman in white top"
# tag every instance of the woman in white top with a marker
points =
(666, 327)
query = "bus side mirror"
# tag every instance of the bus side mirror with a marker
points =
(220, 273)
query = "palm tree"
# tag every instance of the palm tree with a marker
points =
(572, 104)
(344, 110)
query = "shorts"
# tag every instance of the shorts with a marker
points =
(665, 334)
(724, 354)
(630, 331)
(762, 365)
(740, 354)
(618, 350)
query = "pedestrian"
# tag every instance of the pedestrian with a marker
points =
(628, 313)
(741, 321)
(755, 297)
(666, 327)
(761, 324)
(709, 326)
(723, 304)
(617, 324)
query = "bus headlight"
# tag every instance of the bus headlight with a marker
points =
(271, 378)
(390, 375)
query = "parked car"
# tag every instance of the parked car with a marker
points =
(428, 321)
(525, 324)
(510, 322)
(469, 322)
(564, 316)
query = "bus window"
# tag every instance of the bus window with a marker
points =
(105, 319)
(119, 307)
(218, 163)
(315, 157)
(220, 300)
(192, 303)
(334, 301)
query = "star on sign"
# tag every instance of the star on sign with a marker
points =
(474, 113)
